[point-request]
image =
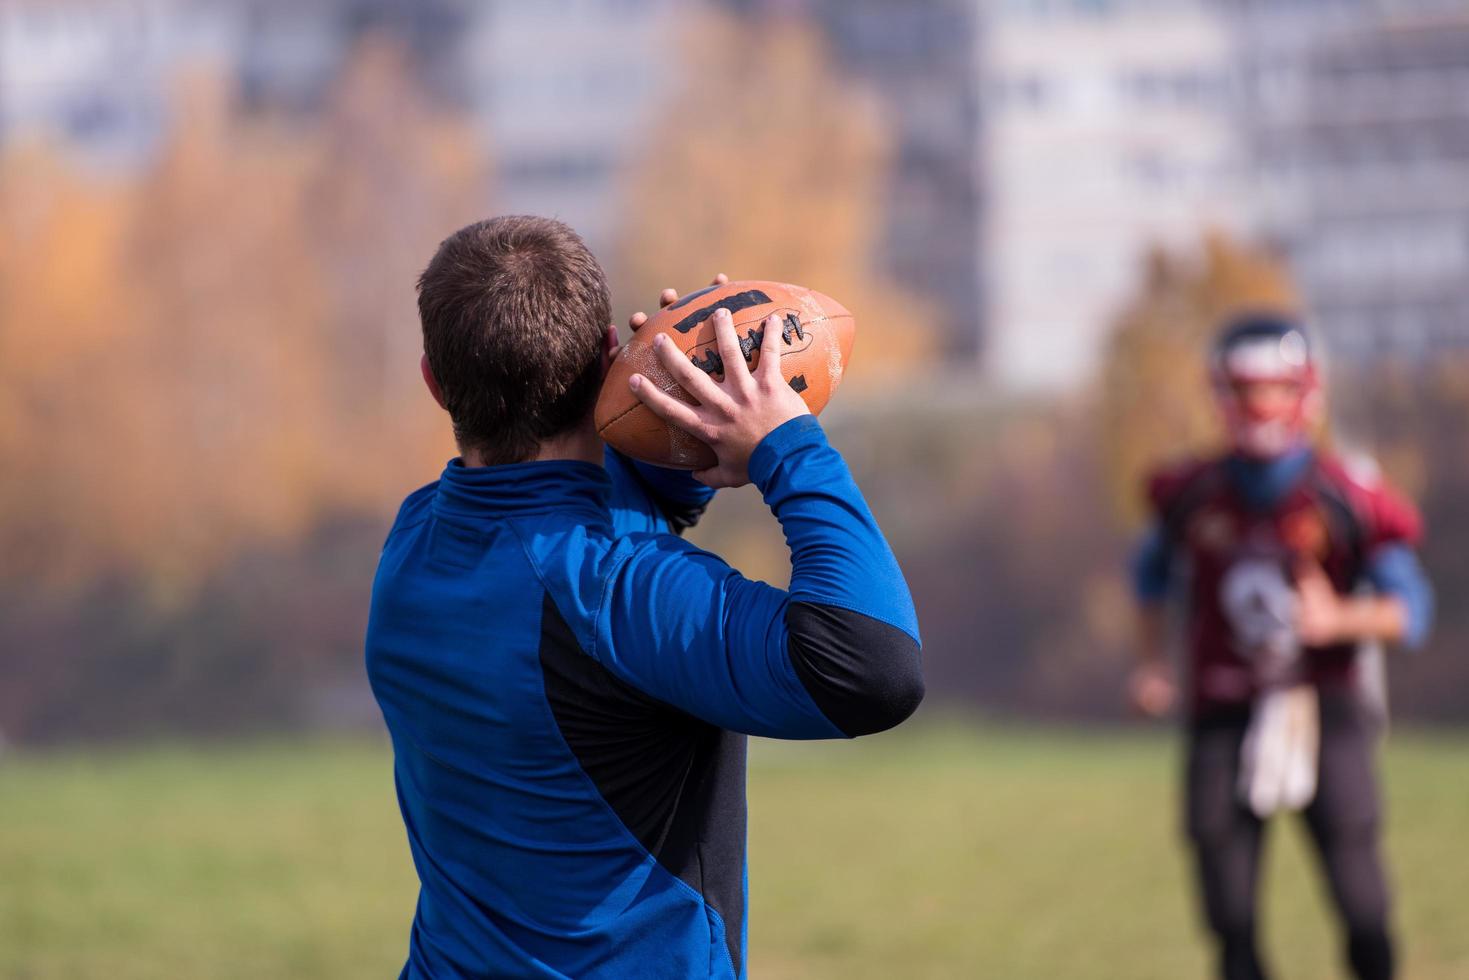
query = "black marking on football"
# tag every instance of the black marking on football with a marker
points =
(792, 326)
(735, 303)
(713, 362)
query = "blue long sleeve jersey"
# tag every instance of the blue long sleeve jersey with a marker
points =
(568, 688)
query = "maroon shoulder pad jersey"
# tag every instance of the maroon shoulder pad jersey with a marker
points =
(1241, 560)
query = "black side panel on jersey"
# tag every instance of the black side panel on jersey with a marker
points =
(865, 675)
(677, 783)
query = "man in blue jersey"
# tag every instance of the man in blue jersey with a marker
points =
(567, 683)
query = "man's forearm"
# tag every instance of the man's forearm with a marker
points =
(1374, 618)
(1396, 573)
(1150, 628)
(838, 553)
(852, 634)
(1151, 684)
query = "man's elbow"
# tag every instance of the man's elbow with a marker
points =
(864, 675)
(1417, 619)
(889, 700)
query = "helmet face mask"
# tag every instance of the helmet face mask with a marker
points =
(1266, 384)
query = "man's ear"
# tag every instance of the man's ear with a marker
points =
(610, 347)
(431, 381)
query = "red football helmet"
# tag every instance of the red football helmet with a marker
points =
(1266, 382)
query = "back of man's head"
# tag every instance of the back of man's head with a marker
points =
(514, 312)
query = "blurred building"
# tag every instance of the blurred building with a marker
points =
(920, 58)
(1109, 128)
(98, 76)
(1357, 116)
(289, 52)
(1040, 145)
(95, 77)
(563, 92)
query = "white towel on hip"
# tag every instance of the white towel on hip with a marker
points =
(1281, 750)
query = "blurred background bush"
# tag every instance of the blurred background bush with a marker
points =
(212, 215)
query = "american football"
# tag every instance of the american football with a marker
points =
(816, 344)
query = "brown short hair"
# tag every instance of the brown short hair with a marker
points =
(514, 310)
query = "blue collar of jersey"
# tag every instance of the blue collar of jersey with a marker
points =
(1263, 482)
(523, 489)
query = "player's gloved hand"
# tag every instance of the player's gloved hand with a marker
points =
(732, 416)
(1150, 690)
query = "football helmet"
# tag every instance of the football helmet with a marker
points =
(1250, 353)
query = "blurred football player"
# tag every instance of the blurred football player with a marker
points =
(567, 682)
(1293, 561)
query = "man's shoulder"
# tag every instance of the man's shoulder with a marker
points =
(1352, 472)
(1384, 512)
(577, 564)
(415, 507)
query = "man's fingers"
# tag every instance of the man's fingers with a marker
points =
(668, 297)
(694, 381)
(736, 371)
(769, 366)
(665, 406)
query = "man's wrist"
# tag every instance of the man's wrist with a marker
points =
(778, 443)
(1370, 618)
(1362, 619)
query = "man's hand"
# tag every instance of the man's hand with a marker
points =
(668, 297)
(1325, 617)
(1151, 690)
(1321, 614)
(731, 416)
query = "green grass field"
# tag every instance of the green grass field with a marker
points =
(947, 851)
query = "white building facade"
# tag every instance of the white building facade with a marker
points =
(1357, 117)
(565, 92)
(1109, 129)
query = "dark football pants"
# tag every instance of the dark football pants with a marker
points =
(1342, 820)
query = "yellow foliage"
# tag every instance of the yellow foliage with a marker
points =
(219, 349)
(768, 166)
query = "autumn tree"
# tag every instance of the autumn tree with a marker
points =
(222, 348)
(394, 174)
(209, 396)
(1155, 396)
(767, 164)
(228, 363)
(62, 323)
